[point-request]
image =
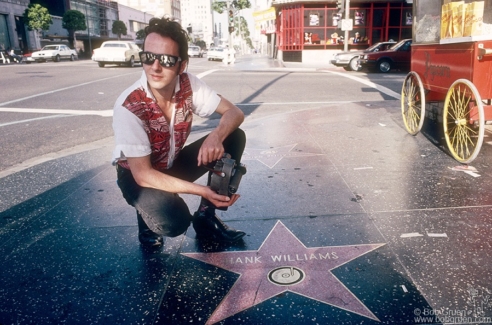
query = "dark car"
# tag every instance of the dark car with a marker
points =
(348, 60)
(397, 57)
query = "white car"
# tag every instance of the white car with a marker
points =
(195, 51)
(217, 53)
(117, 52)
(55, 52)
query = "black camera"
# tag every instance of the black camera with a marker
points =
(226, 175)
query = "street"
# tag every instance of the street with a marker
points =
(49, 107)
(349, 219)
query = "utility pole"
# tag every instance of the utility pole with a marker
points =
(88, 30)
(345, 24)
(347, 17)
(230, 13)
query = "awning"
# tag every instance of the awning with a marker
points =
(264, 15)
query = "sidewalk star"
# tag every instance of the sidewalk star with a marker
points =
(284, 263)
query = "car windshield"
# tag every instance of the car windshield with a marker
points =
(114, 45)
(397, 45)
(50, 47)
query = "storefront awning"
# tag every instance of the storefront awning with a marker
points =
(265, 20)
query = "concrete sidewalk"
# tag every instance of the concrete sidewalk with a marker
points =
(349, 220)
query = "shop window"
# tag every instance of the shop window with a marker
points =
(377, 36)
(407, 18)
(314, 36)
(314, 18)
(378, 18)
(360, 17)
(395, 17)
(394, 34)
(4, 34)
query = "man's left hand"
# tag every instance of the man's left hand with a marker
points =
(211, 150)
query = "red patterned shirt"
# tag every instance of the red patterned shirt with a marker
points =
(141, 128)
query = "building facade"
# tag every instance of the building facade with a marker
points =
(265, 27)
(198, 16)
(99, 14)
(312, 30)
(135, 20)
(157, 8)
(13, 33)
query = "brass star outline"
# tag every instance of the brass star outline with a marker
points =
(272, 156)
(284, 263)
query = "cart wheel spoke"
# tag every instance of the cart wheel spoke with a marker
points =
(463, 121)
(413, 103)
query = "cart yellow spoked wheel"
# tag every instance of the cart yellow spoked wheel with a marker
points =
(413, 103)
(463, 121)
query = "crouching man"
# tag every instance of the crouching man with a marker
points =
(152, 120)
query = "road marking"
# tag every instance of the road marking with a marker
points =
(203, 74)
(107, 112)
(62, 89)
(32, 120)
(380, 88)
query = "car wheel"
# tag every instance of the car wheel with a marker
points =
(347, 68)
(384, 66)
(354, 64)
(57, 58)
(72, 57)
(100, 64)
(131, 63)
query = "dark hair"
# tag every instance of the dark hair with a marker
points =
(168, 28)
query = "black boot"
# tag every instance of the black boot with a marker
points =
(208, 226)
(147, 237)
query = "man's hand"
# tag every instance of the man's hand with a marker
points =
(220, 201)
(211, 150)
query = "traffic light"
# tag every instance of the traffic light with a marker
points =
(231, 21)
(340, 5)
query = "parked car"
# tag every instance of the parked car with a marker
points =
(55, 52)
(348, 60)
(397, 57)
(117, 52)
(195, 51)
(27, 57)
(216, 53)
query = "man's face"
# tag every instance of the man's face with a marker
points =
(162, 78)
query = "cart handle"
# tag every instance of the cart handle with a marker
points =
(483, 51)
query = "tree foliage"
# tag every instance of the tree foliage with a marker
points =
(140, 34)
(221, 6)
(37, 17)
(201, 43)
(72, 21)
(119, 28)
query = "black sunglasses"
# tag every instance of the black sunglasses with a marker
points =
(165, 60)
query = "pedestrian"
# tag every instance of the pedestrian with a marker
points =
(16, 58)
(152, 121)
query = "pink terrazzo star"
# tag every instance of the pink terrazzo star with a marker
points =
(283, 263)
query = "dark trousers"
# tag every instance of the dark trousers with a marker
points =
(166, 213)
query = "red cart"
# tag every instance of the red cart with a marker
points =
(449, 65)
